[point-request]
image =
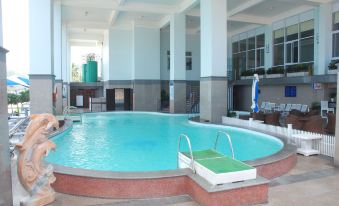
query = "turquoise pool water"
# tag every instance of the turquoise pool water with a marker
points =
(148, 142)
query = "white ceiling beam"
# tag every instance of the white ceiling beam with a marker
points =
(193, 12)
(164, 21)
(292, 12)
(244, 6)
(146, 24)
(132, 7)
(86, 36)
(250, 19)
(320, 1)
(115, 14)
(88, 24)
(187, 5)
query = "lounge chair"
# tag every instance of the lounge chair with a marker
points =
(314, 124)
(294, 120)
(304, 108)
(272, 118)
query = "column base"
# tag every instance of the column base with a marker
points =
(178, 96)
(59, 99)
(213, 98)
(41, 93)
(146, 95)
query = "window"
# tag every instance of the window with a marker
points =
(188, 60)
(249, 53)
(335, 35)
(290, 91)
(307, 41)
(294, 44)
(278, 47)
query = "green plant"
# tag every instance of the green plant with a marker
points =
(164, 95)
(90, 57)
(315, 106)
(276, 70)
(260, 71)
(13, 99)
(247, 73)
(24, 96)
(332, 65)
(231, 114)
(300, 68)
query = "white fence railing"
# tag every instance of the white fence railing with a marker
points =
(326, 145)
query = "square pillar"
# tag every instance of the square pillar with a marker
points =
(336, 151)
(322, 40)
(213, 83)
(41, 56)
(5, 164)
(146, 68)
(178, 63)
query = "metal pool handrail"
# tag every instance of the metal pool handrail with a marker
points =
(229, 141)
(190, 148)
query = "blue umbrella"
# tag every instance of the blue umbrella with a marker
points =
(255, 93)
(24, 79)
(14, 84)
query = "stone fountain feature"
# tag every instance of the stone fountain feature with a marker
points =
(35, 177)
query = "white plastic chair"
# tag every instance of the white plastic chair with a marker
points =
(298, 107)
(288, 108)
(281, 107)
(325, 109)
(304, 108)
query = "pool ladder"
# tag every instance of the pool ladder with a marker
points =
(220, 133)
(229, 141)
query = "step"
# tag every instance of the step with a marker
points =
(217, 168)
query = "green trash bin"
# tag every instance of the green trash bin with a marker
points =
(84, 72)
(92, 71)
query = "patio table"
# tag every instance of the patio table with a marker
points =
(306, 141)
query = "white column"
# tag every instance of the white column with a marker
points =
(41, 56)
(178, 63)
(57, 33)
(146, 68)
(57, 44)
(213, 85)
(322, 40)
(336, 148)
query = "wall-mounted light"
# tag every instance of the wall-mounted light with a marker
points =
(267, 48)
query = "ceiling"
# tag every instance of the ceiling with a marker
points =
(89, 19)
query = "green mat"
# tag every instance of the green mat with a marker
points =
(224, 165)
(216, 162)
(203, 154)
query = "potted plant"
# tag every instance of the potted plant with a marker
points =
(260, 72)
(247, 74)
(275, 72)
(333, 66)
(299, 70)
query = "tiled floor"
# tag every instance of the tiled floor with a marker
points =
(313, 182)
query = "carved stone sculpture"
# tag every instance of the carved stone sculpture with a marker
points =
(35, 177)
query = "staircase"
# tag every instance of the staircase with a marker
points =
(192, 98)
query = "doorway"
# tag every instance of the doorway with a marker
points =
(119, 99)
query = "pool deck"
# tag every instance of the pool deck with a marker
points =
(313, 182)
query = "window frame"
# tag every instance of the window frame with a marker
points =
(333, 32)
